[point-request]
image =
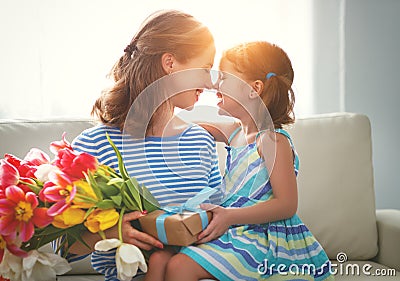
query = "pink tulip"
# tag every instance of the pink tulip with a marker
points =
(75, 164)
(36, 157)
(9, 243)
(8, 176)
(55, 146)
(19, 213)
(25, 169)
(59, 189)
(13, 171)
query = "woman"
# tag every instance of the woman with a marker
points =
(167, 43)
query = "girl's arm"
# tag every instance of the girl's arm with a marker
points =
(219, 130)
(283, 205)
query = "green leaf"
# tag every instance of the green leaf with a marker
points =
(109, 190)
(35, 189)
(133, 191)
(121, 165)
(93, 183)
(88, 212)
(139, 198)
(117, 199)
(150, 203)
(43, 237)
(115, 181)
(107, 204)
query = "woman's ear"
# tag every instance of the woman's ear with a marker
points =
(167, 62)
(257, 89)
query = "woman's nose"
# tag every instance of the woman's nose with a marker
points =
(216, 83)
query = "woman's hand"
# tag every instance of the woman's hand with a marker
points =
(135, 237)
(219, 224)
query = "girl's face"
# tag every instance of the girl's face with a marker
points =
(194, 75)
(233, 91)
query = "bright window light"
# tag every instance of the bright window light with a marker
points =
(55, 54)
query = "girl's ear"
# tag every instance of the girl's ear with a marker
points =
(257, 89)
(167, 62)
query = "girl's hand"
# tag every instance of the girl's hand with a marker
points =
(218, 225)
(135, 237)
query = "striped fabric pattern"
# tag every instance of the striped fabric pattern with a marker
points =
(259, 252)
(173, 168)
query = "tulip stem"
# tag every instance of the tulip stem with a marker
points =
(33, 187)
(102, 235)
(121, 215)
(87, 198)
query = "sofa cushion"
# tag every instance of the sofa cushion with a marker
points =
(335, 183)
(19, 136)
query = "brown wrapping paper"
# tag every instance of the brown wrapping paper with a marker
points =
(181, 229)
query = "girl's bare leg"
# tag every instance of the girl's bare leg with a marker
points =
(157, 265)
(182, 268)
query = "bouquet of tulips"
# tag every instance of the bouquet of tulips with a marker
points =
(42, 200)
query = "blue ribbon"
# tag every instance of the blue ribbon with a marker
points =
(190, 205)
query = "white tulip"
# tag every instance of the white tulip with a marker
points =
(11, 266)
(128, 257)
(37, 266)
(43, 171)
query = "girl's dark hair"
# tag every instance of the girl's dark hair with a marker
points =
(255, 60)
(166, 31)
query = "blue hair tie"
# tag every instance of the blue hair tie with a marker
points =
(269, 75)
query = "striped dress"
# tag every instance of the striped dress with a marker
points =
(272, 251)
(173, 168)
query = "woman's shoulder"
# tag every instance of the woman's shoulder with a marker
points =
(101, 130)
(197, 130)
(98, 133)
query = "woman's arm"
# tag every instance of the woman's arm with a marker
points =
(283, 205)
(129, 234)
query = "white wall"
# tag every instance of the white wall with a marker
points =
(356, 69)
(55, 54)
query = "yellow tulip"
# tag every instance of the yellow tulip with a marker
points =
(100, 220)
(85, 197)
(70, 217)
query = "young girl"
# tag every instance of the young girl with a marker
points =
(256, 233)
(174, 159)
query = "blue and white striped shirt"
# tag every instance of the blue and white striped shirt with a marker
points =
(173, 168)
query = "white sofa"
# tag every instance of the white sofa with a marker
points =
(336, 190)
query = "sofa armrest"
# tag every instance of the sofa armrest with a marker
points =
(388, 222)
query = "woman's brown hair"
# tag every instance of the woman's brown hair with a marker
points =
(166, 31)
(255, 60)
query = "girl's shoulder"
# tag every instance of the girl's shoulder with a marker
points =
(269, 140)
(278, 141)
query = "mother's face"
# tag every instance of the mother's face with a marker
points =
(192, 77)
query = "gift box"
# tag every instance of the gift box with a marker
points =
(178, 229)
